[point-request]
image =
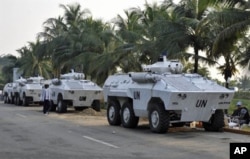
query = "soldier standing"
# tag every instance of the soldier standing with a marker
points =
(46, 99)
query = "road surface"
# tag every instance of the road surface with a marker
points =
(26, 133)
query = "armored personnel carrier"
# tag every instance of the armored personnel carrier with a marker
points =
(28, 90)
(73, 90)
(7, 93)
(166, 97)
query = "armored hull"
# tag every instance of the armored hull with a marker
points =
(7, 92)
(28, 91)
(73, 90)
(167, 99)
(195, 97)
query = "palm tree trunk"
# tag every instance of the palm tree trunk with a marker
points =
(196, 58)
(227, 85)
(228, 74)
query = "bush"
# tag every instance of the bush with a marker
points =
(242, 95)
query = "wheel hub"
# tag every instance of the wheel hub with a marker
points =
(126, 115)
(155, 118)
(111, 113)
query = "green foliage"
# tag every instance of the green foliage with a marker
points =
(244, 83)
(242, 95)
(77, 41)
(8, 62)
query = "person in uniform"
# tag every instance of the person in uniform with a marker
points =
(241, 113)
(46, 99)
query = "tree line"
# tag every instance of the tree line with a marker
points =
(74, 40)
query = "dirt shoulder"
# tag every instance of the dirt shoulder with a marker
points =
(91, 117)
(85, 117)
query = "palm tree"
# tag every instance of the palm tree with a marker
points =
(130, 34)
(184, 29)
(202, 70)
(245, 46)
(93, 40)
(229, 26)
(136, 39)
(75, 36)
(58, 33)
(54, 37)
(33, 62)
(155, 20)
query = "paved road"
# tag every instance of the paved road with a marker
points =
(26, 133)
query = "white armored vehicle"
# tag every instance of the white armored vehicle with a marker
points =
(73, 90)
(166, 97)
(7, 93)
(28, 90)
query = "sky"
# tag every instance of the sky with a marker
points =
(22, 20)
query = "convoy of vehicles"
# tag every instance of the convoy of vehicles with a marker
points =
(71, 89)
(23, 91)
(162, 93)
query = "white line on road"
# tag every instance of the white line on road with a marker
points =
(22, 116)
(99, 141)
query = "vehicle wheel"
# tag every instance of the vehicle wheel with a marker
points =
(128, 118)
(61, 106)
(113, 113)
(96, 105)
(52, 106)
(12, 100)
(25, 102)
(17, 100)
(216, 122)
(158, 119)
(8, 100)
(5, 98)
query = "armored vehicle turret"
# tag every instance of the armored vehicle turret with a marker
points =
(73, 90)
(166, 97)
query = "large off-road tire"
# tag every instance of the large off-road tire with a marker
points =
(158, 118)
(216, 122)
(128, 118)
(25, 101)
(52, 106)
(17, 100)
(9, 100)
(113, 113)
(12, 99)
(61, 105)
(96, 105)
(5, 99)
